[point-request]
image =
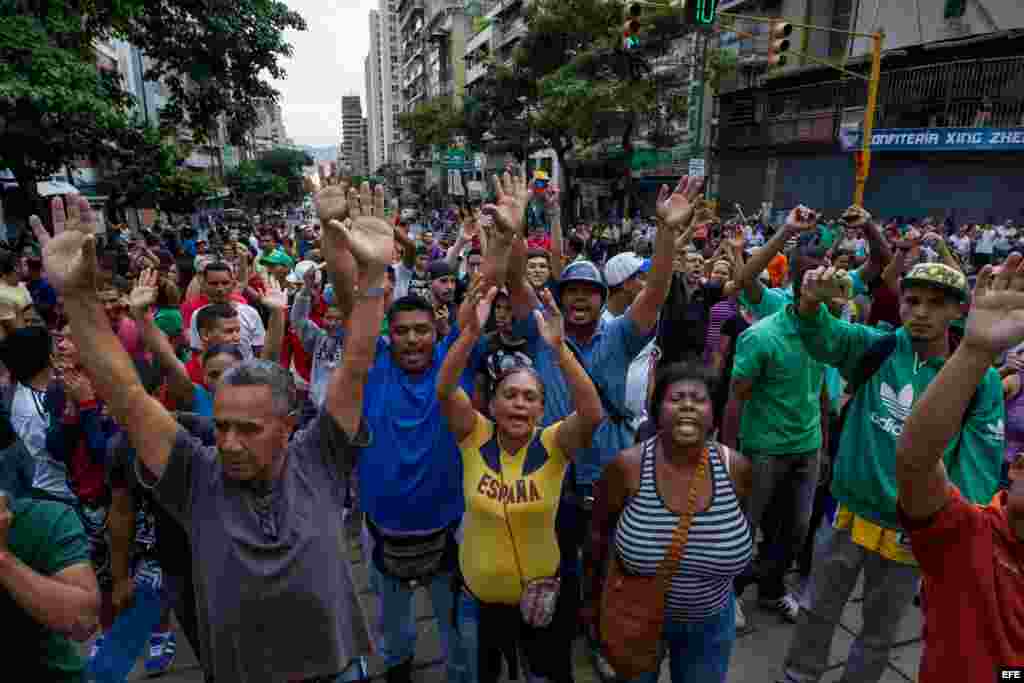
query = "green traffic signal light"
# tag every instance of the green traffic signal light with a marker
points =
(632, 42)
(701, 12)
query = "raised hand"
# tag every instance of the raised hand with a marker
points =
(483, 301)
(332, 203)
(512, 194)
(275, 298)
(550, 323)
(143, 294)
(675, 208)
(825, 284)
(39, 230)
(856, 216)
(996, 320)
(370, 238)
(736, 238)
(801, 219)
(70, 257)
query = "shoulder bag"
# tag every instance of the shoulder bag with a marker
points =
(633, 607)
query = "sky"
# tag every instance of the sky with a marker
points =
(327, 62)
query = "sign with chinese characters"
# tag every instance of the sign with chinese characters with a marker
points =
(938, 140)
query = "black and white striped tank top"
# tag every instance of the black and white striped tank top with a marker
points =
(718, 549)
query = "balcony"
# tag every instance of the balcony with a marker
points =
(479, 40)
(969, 93)
(411, 9)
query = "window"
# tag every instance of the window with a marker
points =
(955, 9)
(842, 15)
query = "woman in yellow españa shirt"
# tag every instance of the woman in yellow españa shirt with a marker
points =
(512, 479)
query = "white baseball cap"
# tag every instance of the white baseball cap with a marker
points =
(623, 266)
(299, 272)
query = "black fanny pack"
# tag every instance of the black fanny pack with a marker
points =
(414, 558)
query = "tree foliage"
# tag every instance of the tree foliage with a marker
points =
(182, 191)
(56, 106)
(257, 188)
(286, 164)
(433, 122)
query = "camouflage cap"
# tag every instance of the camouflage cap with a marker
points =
(938, 275)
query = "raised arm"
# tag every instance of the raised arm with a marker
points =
(675, 215)
(799, 220)
(879, 252)
(995, 324)
(142, 297)
(276, 300)
(70, 259)
(554, 207)
(370, 241)
(456, 405)
(577, 431)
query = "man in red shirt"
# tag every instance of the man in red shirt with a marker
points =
(971, 556)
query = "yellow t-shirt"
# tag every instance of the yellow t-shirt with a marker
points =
(892, 545)
(13, 300)
(528, 485)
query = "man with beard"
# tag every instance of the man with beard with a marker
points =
(887, 373)
(263, 511)
(971, 556)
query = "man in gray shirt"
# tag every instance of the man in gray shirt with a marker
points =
(275, 596)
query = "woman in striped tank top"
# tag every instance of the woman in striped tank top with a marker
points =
(637, 508)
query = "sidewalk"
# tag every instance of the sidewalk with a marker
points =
(757, 656)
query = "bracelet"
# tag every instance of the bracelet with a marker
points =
(373, 293)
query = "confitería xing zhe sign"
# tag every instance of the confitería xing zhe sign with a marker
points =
(938, 139)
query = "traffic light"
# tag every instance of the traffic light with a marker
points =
(778, 43)
(631, 28)
(701, 12)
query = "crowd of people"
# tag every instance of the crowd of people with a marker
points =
(554, 440)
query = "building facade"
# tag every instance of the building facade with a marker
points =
(949, 127)
(351, 154)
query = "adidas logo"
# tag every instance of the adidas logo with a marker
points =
(898, 405)
(996, 428)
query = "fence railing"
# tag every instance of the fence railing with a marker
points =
(976, 93)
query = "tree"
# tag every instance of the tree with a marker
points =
(57, 106)
(138, 165)
(182, 191)
(256, 188)
(286, 164)
(433, 122)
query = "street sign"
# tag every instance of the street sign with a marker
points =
(697, 167)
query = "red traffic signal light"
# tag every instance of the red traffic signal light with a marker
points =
(778, 43)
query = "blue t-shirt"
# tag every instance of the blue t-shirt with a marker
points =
(202, 401)
(606, 357)
(410, 474)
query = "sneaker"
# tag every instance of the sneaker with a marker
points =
(787, 606)
(160, 657)
(741, 618)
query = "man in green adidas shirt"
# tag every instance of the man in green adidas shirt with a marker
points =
(866, 534)
(48, 590)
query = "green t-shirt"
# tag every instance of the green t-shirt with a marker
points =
(783, 415)
(827, 235)
(48, 537)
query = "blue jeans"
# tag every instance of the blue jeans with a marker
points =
(396, 618)
(698, 652)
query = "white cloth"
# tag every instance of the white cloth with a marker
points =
(638, 377)
(986, 242)
(253, 334)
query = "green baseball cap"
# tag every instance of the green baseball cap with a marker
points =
(277, 258)
(938, 275)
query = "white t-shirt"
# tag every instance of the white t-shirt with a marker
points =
(407, 281)
(962, 244)
(638, 376)
(253, 334)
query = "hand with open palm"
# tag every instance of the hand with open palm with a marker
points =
(482, 299)
(332, 203)
(512, 194)
(550, 323)
(275, 298)
(996, 320)
(675, 208)
(144, 293)
(370, 238)
(70, 256)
